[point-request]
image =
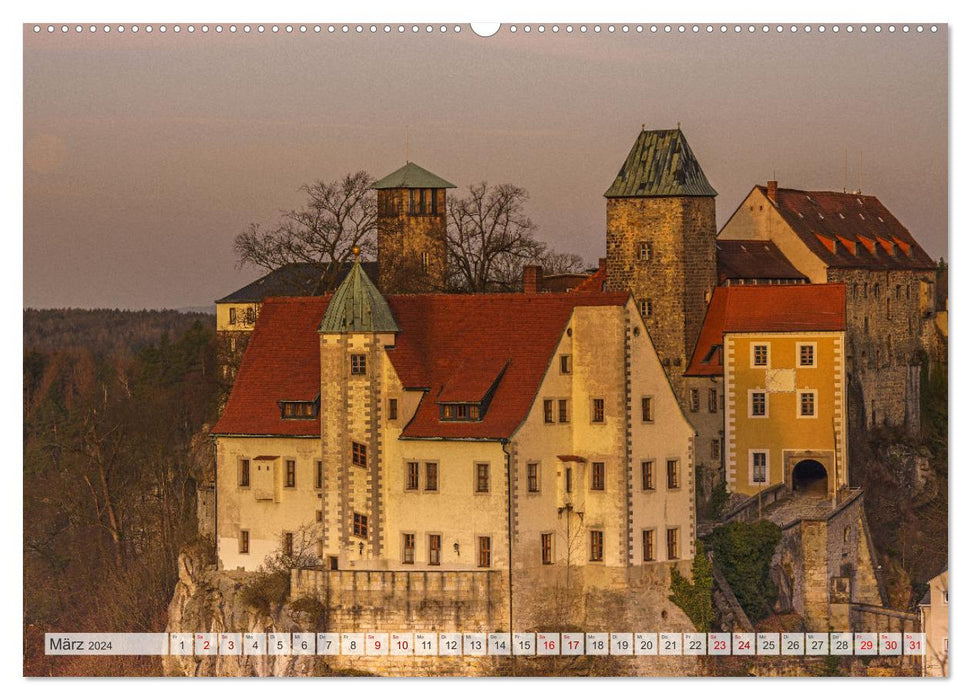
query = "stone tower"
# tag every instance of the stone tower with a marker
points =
(661, 243)
(355, 329)
(411, 231)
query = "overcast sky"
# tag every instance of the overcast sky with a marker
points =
(146, 154)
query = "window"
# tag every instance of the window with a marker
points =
(694, 400)
(431, 476)
(563, 411)
(424, 261)
(320, 516)
(807, 354)
(319, 477)
(596, 545)
(485, 552)
(547, 410)
(672, 543)
(647, 475)
(546, 547)
(392, 409)
(299, 409)
(291, 481)
(646, 308)
(359, 454)
(760, 466)
(716, 449)
(568, 475)
(288, 543)
(712, 400)
(760, 355)
(360, 525)
(597, 476)
(807, 404)
(757, 404)
(566, 364)
(434, 550)
(944, 596)
(411, 476)
(482, 478)
(532, 477)
(358, 364)
(647, 409)
(244, 541)
(459, 411)
(647, 544)
(244, 473)
(250, 316)
(674, 475)
(598, 410)
(644, 251)
(408, 548)
(232, 315)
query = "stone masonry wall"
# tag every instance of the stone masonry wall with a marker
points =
(678, 276)
(886, 315)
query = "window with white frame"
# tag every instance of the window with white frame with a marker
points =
(759, 466)
(807, 354)
(760, 354)
(807, 404)
(758, 403)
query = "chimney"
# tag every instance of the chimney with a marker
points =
(602, 264)
(532, 279)
(772, 190)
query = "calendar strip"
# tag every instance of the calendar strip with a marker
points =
(477, 644)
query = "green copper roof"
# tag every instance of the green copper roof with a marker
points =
(358, 307)
(661, 164)
(412, 176)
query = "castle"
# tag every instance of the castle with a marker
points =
(384, 425)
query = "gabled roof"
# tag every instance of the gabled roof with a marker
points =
(850, 230)
(358, 307)
(411, 176)
(293, 279)
(661, 164)
(281, 363)
(763, 308)
(442, 337)
(753, 259)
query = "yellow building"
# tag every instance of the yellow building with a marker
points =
(779, 352)
(452, 432)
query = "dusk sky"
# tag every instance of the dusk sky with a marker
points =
(146, 154)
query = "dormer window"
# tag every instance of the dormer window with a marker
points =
(461, 411)
(299, 410)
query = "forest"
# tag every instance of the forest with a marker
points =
(117, 406)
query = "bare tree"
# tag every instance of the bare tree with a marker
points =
(490, 238)
(560, 263)
(338, 216)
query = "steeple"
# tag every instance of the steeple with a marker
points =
(358, 307)
(661, 164)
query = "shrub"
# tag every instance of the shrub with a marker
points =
(268, 588)
(694, 596)
(743, 551)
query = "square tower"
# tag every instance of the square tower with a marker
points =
(661, 243)
(412, 221)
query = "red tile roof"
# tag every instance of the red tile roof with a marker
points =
(765, 308)
(444, 335)
(453, 346)
(830, 222)
(281, 363)
(595, 282)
